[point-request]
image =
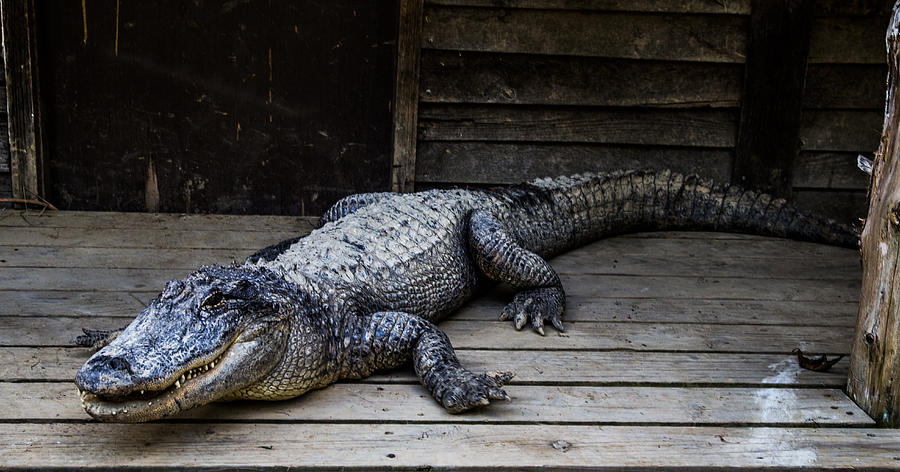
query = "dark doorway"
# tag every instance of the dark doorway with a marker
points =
(241, 106)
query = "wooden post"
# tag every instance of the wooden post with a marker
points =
(874, 381)
(25, 142)
(406, 96)
(769, 133)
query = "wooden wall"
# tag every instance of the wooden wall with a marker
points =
(215, 107)
(515, 89)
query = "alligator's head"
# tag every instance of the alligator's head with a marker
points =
(205, 337)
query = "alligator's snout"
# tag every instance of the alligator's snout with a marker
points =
(105, 375)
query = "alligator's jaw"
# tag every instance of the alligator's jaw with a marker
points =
(241, 365)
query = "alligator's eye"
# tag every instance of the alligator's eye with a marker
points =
(213, 300)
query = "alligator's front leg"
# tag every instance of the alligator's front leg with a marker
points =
(386, 340)
(96, 339)
(541, 297)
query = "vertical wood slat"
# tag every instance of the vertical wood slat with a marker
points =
(768, 135)
(874, 380)
(406, 96)
(25, 141)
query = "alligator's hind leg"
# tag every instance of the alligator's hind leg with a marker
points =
(541, 297)
(386, 340)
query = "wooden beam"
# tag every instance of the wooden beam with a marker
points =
(406, 96)
(25, 140)
(875, 362)
(768, 137)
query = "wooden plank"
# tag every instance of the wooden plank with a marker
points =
(118, 258)
(740, 248)
(843, 40)
(89, 280)
(771, 104)
(141, 238)
(704, 38)
(835, 170)
(505, 163)
(698, 128)
(853, 7)
(38, 331)
(845, 206)
(783, 269)
(845, 86)
(587, 285)
(406, 96)
(410, 404)
(521, 79)
(841, 130)
(317, 446)
(489, 306)
(532, 367)
(157, 221)
(23, 99)
(122, 277)
(687, 257)
(68, 303)
(736, 7)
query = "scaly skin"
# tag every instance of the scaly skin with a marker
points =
(363, 292)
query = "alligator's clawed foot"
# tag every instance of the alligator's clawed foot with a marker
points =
(538, 306)
(464, 390)
(96, 338)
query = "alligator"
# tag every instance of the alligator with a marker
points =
(363, 292)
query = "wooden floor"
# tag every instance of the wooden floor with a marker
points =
(677, 356)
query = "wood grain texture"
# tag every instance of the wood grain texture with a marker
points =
(733, 7)
(532, 367)
(847, 40)
(411, 404)
(874, 381)
(173, 221)
(692, 128)
(137, 238)
(506, 163)
(22, 104)
(840, 130)
(406, 96)
(847, 86)
(525, 79)
(443, 446)
(662, 310)
(704, 38)
(835, 170)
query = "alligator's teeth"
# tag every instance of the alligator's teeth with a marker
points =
(182, 378)
(206, 367)
(142, 392)
(178, 383)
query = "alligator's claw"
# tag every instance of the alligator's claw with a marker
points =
(538, 306)
(467, 390)
(96, 338)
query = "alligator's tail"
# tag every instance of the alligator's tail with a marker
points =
(565, 212)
